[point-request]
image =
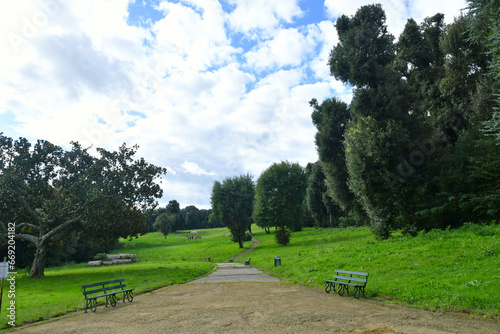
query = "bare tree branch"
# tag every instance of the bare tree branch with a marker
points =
(21, 200)
(35, 227)
(52, 234)
(27, 237)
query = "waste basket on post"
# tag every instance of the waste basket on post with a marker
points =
(277, 261)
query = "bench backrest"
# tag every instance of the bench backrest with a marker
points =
(361, 277)
(104, 287)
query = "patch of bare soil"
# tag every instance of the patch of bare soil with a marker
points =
(258, 308)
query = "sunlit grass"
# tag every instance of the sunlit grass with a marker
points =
(162, 262)
(441, 270)
(453, 270)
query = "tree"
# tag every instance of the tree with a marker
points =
(232, 204)
(173, 207)
(409, 143)
(46, 192)
(331, 118)
(364, 47)
(164, 223)
(319, 203)
(280, 194)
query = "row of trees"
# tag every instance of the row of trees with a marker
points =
(57, 201)
(277, 200)
(286, 197)
(418, 147)
(172, 218)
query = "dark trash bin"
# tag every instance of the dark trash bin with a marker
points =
(277, 261)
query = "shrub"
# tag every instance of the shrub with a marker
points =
(282, 236)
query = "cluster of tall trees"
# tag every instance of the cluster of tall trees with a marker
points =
(276, 201)
(172, 218)
(56, 202)
(418, 146)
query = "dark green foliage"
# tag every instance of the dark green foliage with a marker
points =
(232, 203)
(365, 47)
(101, 257)
(164, 223)
(50, 193)
(321, 206)
(331, 119)
(282, 236)
(416, 146)
(280, 195)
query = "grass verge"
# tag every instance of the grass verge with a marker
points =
(451, 270)
(162, 262)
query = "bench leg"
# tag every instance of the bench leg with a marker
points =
(129, 295)
(329, 286)
(357, 292)
(90, 304)
(111, 300)
(343, 289)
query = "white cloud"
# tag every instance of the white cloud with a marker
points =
(193, 168)
(325, 35)
(208, 93)
(262, 17)
(192, 40)
(288, 48)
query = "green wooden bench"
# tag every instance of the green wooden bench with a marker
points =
(108, 289)
(247, 262)
(355, 279)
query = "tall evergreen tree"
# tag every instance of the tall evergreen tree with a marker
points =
(280, 194)
(232, 204)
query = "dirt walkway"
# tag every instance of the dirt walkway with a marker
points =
(255, 244)
(258, 308)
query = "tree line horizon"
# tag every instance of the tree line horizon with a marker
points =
(417, 148)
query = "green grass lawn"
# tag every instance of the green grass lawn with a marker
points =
(162, 262)
(455, 270)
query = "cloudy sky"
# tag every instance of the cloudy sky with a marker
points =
(207, 88)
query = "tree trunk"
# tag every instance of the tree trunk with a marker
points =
(38, 267)
(240, 243)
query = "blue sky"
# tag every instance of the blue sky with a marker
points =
(207, 88)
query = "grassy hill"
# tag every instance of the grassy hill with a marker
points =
(452, 270)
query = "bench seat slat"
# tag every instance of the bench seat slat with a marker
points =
(350, 278)
(86, 286)
(344, 283)
(103, 295)
(105, 290)
(88, 292)
(115, 287)
(350, 272)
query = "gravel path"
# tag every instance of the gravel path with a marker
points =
(258, 308)
(261, 304)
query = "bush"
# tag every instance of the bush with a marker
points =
(282, 237)
(247, 237)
